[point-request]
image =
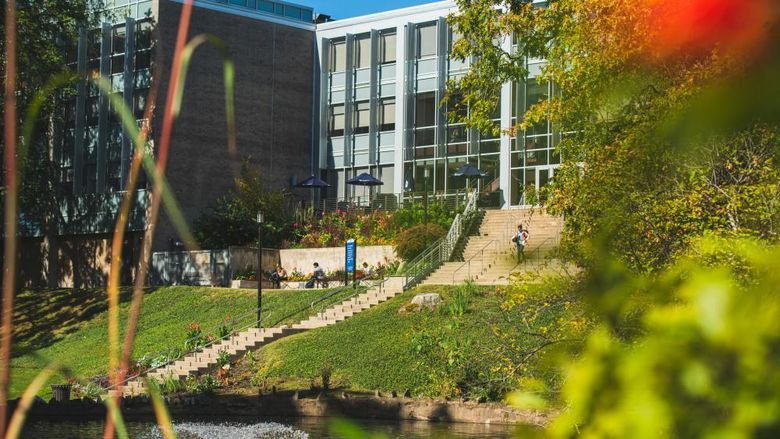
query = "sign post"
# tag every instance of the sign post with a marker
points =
(350, 261)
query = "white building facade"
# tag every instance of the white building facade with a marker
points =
(382, 79)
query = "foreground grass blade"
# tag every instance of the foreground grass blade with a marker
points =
(179, 224)
(160, 411)
(158, 180)
(228, 76)
(11, 193)
(17, 421)
(116, 417)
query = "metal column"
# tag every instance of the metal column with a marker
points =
(81, 97)
(127, 95)
(103, 108)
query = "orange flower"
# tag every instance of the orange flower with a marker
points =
(694, 27)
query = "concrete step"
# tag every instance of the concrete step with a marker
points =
(253, 338)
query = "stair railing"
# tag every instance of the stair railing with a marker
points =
(535, 254)
(441, 250)
(470, 262)
(253, 323)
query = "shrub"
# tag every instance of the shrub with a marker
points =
(325, 372)
(459, 302)
(414, 240)
(195, 337)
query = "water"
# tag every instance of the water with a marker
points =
(303, 428)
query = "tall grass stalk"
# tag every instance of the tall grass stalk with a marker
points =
(17, 421)
(9, 251)
(184, 24)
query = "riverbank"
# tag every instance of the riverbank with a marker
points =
(295, 406)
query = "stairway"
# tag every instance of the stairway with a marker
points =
(205, 360)
(489, 256)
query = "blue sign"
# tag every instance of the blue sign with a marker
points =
(350, 256)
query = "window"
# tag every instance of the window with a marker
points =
(361, 117)
(143, 60)
(93, 110)
(426, 41)
(457, 107)
(292, 12)
(266, 6)
(425, 109)
(117, 64)
(387, 48)
(387, 114)
(454, 38)
(144, 35)
(139, 103)
(118, 44)
(336, 125)
(363, 52)
(338, 57)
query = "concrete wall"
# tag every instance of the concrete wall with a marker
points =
(273, 91)
(332, 258)
(246, 257)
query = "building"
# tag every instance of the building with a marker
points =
(273, 51)
(382, 77)
(312, 96)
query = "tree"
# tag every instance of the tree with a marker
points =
(624, 180)
(46, 32)
(232, 220)
(670, 189)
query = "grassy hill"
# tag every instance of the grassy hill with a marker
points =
(472, 345)
(70, 326)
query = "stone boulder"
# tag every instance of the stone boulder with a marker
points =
(428, 300)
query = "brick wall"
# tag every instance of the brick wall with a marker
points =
(273, 88)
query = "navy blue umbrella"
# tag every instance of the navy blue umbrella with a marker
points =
(312, 182)
(365, 179)
(469, 171)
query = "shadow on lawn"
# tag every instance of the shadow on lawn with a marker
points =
(42, 317)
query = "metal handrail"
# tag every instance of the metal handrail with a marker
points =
(537, 250)
(480, 252)
(441, 250)
(334, 292)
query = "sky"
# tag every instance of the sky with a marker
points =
(351, 8)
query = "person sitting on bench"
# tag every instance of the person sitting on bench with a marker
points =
(278, 276)
(317, 276)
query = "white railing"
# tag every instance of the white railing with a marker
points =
(441, 250)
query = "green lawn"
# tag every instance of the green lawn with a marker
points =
(436, 353)
(70, 326)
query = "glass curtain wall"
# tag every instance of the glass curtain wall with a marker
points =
(534, 158)
(460, 145)
(91, 143)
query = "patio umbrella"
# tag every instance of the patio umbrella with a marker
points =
(365, 179)
(469, 171)
(312, 182)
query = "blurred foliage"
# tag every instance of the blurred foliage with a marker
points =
(233, 219)
(701, 362)
(413, 241)
(622, 170)
(671, 193)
